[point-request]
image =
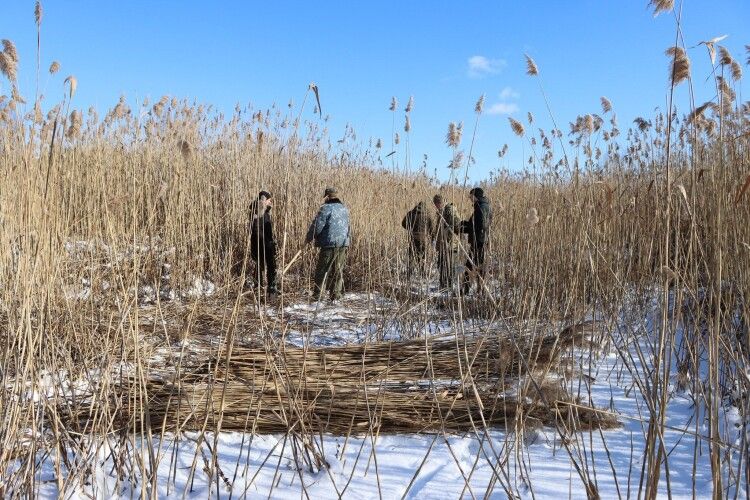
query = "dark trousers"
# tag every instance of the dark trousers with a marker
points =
(417, 257)
(329, 272)
(474, 268)
(265, 260)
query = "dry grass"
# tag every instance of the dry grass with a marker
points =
(99, 216)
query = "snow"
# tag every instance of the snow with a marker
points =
(535, 463)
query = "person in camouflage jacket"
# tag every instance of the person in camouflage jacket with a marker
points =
(421, 229)
(331, 234)
(447, 239)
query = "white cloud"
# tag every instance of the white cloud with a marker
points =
(503, 108)
(509, 93)
(480, 66)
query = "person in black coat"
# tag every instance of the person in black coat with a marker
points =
(262, 243)
(478, 229)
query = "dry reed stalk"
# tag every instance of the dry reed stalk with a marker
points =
(78, 250)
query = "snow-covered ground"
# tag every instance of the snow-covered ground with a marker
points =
(539, 463)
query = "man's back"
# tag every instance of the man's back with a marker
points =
(331, 226)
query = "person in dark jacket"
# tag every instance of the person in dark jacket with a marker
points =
(478, 229)
(262, 243)
(331, 234)
(421, 229)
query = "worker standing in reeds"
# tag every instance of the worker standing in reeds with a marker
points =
(331, 234)
(421, 228)
(478, 229)
(447, 239)
(262, 242)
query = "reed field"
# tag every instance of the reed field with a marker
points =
(615, 309)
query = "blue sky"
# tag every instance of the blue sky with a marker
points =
(445, 54)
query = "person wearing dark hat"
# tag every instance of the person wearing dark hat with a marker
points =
(421, 229)
(478, 229)
(447, 238)
(262, 243)
(331, 234)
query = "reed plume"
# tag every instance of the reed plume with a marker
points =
(7, 67)
(54, 67)
(479, 106)
(606, 104)
(725, 58)
(736, 69)
(516, 126)
(38, 13)
(16, 95)
(9, 61)
(642, 124)
(531, 67)
(74, 128)
(394, 104)
(10, 49)
(697, 113)
(72, 81)
(409, 104)
(453, 137)
(660, 6)
(680, 67)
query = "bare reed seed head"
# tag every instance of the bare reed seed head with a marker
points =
(7, 67)
(697, 113)
(747, 50)
(10, 49)
(531, 67)
(407, 124)
(38, 13)
(16, 95)
(9, 61)
(453, 137)
(394, 104)
(409, 104)
(642, 124)
(479, 106)
(725, 58)
(588, 124)
(680, 67)
(38, 117)
(74, 128)
(660, 6)
(726, 93)
(54, 67)
(736, 71)
(73, 82)
(396, 138)
(606, 104)
(517, 127)
(458, 159)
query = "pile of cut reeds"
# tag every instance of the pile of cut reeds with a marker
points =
(449, 384)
